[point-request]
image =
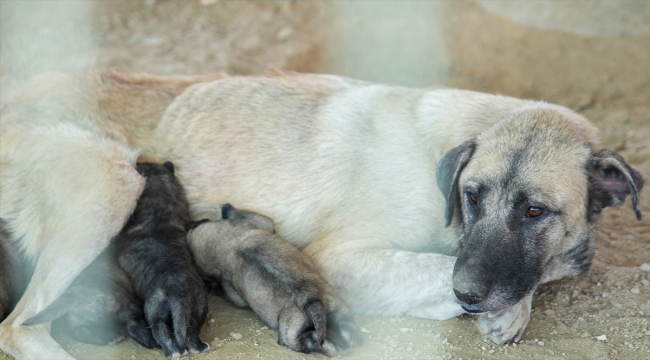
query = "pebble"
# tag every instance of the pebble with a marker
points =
(540, 343)
(549, 312)
(404, 330)
(635, 290)
(264, 328)
(364, 330)
(236, 336)
(601, 337)
(284, 33)
(645, 267)
(645, 282)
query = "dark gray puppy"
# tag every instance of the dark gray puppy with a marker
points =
(259, 269)
(152, 249)
(97, 304)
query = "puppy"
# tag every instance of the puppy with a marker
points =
(152, 249)
(100, 300)
(279, 282)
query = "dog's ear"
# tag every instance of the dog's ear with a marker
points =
(169, 165)
(611, 179)
(448, 173)
(227, 212)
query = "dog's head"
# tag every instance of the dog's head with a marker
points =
(527, 194)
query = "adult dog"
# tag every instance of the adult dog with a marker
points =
(350, 172)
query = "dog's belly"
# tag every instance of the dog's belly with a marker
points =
(309, 159)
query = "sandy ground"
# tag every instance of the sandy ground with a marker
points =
(605, 78)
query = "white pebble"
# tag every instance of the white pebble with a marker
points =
(540, 343)
(404, 330)
(645, 267)
(634, 290)
(364, 330)
(601, 337)
(236, 336)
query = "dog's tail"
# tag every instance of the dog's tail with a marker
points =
(55, 310)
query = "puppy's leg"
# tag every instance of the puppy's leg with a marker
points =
(387, 281)
(65, 193)
(509, 324)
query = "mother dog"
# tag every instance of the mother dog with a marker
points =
(429, 203)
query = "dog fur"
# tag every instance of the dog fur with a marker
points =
(259, 269)
(152, 249)
(351, 173)
(100, 301)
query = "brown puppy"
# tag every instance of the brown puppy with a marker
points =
(280, 283)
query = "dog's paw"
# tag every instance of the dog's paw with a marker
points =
(509, 324)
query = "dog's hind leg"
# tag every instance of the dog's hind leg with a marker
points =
(66, 192)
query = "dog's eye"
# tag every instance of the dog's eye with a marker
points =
(473, 197)
(534, 211)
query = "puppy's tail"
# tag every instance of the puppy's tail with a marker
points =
(55, 310)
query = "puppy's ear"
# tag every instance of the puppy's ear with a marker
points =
(448, 173)
(227, 212)
(611, 179)
(169, 165)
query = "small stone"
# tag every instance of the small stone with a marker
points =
(364, 330)
(605, 294)
(211, 320)
(264, 328)
(284, 33)
(236, 336)
(601, 337)
(645, 267)
(635, 290)
(645, 282)
(540, 343)
(549, 312)
(404, 330)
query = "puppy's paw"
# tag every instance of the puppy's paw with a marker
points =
(509, 324)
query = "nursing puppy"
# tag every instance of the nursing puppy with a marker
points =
(259, 269)
(383, 187)
(152, 250)
(99, 302)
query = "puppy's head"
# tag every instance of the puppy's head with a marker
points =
(527, 194)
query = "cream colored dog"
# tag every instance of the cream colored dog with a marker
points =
(350, 172)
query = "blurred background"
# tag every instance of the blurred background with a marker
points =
(592, 56)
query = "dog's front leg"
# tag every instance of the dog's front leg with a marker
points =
(390, 282)
(65, 194)
(508, 324)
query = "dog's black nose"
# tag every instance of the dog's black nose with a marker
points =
(469, 297)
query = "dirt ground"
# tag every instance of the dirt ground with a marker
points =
(604, 314)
